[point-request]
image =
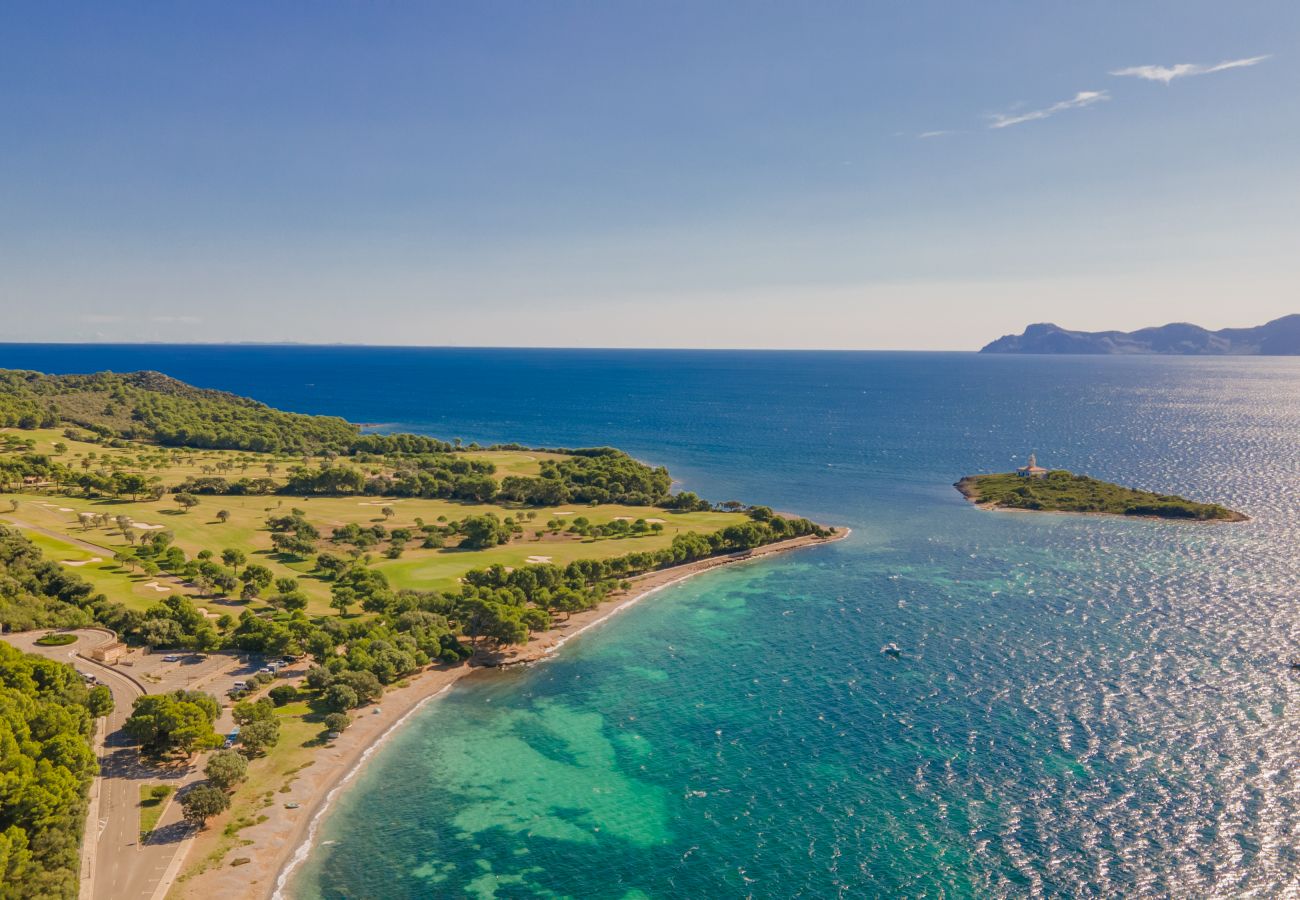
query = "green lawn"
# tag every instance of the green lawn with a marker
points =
(151, 809)
(245, 529)
(106, 576)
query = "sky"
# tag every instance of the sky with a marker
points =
(870, 175)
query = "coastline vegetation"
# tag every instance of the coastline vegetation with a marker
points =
(47, 764)
(1061, 491)
(186, 519)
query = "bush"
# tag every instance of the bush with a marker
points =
(56, 639)
(282, 694)
(337, 721)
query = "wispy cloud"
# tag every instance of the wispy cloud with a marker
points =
(1078, 101)
(932, 134)
(1166, 74)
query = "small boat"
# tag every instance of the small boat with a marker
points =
(892, 649)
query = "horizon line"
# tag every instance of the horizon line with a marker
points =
(345, 344)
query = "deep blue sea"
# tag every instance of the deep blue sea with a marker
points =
(1084, 706)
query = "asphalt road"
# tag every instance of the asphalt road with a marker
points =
(121, 868)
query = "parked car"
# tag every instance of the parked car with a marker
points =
(171, 658)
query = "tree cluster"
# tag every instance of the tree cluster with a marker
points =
(46, 765)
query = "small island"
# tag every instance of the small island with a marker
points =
(1033, 487)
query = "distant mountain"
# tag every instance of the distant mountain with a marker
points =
(1281, 337)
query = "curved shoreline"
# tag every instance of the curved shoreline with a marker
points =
(302, 851)
(286, 841)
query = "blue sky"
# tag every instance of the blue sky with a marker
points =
(697, 174)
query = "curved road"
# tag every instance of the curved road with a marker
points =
(115, 866)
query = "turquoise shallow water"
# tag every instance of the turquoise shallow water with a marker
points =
(1084, 707)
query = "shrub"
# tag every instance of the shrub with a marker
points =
(282, 694)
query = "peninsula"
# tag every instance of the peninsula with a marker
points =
(267, 579)
(1034, 488)
(1280, 337)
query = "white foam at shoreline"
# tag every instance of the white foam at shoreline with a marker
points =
(304, 849)
(300, 854)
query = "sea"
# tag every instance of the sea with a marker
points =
(1082, 706)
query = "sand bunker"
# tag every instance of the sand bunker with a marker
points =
(81, 562)
(655, 521)
(562, 512)
(538, 559)
(382, 502)
(146, 526)
(162, 588)
(66, 509)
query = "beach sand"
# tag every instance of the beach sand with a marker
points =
(283, 840)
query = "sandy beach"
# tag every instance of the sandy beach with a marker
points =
(277, 845)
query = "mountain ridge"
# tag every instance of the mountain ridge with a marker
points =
(1280, 337)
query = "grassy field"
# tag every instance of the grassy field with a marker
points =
(58, 530)
(174, 464)
(1067, 492)
(268, 781)
(115, 582)
(151, 808)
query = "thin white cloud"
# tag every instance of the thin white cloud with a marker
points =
(932, 134)
(1078, 101)
(1166, 74)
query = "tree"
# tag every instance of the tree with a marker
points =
(186, 501)
(481, 532)
(341, 597)
(340, 697)
(291, 601)
(388, 512)
(258, 737)
(226, 768)
(260, 577)
(338, 721)
(47, 764)
(365, 684)
(181, 720)
(246, 712)
(223, 516)
(233, 558)
(203, 802)
(129, 483)
(100, 702)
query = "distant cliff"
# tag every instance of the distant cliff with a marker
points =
(1281, 337)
